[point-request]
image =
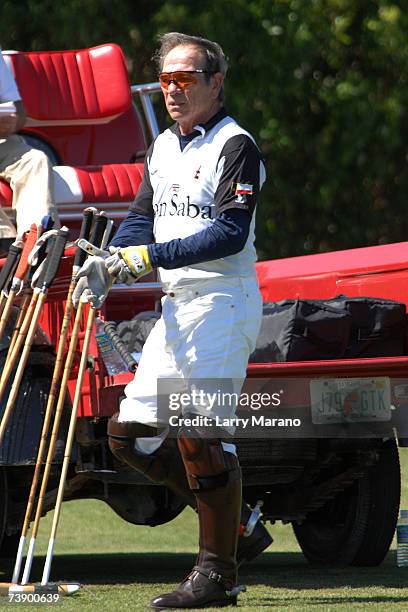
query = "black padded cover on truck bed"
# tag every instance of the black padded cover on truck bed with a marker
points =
(339, 328)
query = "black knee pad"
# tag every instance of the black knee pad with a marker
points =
(207, 464)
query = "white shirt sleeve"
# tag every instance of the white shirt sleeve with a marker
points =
(8, 87)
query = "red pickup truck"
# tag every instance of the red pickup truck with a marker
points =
(340, 492)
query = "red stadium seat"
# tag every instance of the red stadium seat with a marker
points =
(110, 183)
(73, 87)
(111, 187)
(79, 103)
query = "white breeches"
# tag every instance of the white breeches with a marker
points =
(207, 331)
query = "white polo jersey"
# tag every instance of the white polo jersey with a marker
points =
(185, 190)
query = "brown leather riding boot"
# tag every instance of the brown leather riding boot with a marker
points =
(212, 581)
(165, 466)
(253, 537)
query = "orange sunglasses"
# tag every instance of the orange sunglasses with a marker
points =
(181, 78)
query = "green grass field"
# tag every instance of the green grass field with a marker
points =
(122, 566)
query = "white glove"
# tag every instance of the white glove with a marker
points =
(93, 282)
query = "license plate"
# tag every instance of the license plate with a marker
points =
(350, 400)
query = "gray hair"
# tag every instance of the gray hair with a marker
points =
(213, 55)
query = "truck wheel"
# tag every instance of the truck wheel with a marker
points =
(385, 487)
(357, 526)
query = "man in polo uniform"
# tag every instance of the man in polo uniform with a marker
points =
(193, 219)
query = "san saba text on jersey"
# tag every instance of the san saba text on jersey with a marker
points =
(182, 209)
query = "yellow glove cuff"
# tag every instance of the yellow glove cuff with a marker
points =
(137, 260)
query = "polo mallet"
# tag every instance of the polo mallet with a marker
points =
(13, 355)
(7, 270)
(108, 234)
(19, 276)
(7, 589)
(68, 447)
(20, 319)
(45, 279)
(22, 334)
(96, 236)
(47, 224)
(80, 256)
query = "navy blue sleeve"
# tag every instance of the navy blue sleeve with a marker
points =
(134, 230)
(226, 236)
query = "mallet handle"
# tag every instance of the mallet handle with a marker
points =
(29, 244)
(10, 265)
(98, 229)
(53, 260)
(85, 231)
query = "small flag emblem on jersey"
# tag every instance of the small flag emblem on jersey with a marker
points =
(243, 189)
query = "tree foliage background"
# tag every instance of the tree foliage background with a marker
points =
(321, 84)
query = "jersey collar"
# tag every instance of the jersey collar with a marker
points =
(219, 116)
(201, 128)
